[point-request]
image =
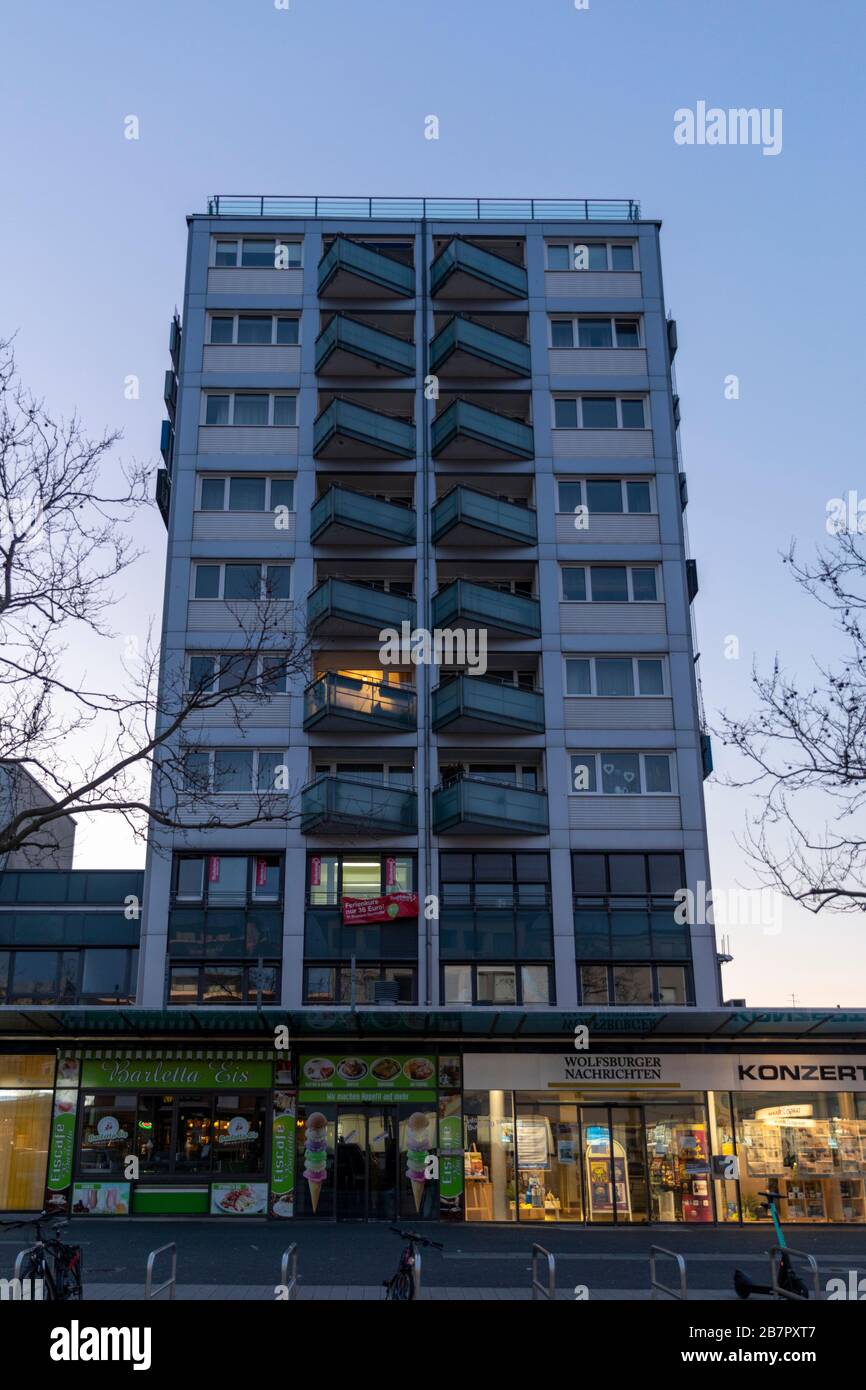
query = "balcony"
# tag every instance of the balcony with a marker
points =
(341, 803)
(474, 704)
(338, 606)
(349, 348)
(468, 517)
(345, 517)
(465, 271)
(475, 805)
(349, 270)
(464, 604)
(464, 348)
(467, 431)
(345, 430)
(345, 702)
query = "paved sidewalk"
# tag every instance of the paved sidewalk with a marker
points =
(363, 1293)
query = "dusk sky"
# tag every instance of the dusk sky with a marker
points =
(761, 257)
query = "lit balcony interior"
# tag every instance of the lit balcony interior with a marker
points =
(352, 693)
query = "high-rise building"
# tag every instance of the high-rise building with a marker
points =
(410, 421)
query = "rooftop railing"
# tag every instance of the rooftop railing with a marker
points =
(433, 209)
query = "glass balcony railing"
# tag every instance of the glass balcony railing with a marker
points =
(339, 604)
(347, 260)
(480, 605)
(461, 259)
(336, 699)
(464, 430)
(463, 506)
(346, 430)
(462, 337)
(342, 507)
(477, 804)
(370, 345)
(341, 802)
(473, 700)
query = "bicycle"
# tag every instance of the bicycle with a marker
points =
(50, 1264)
(400, 1288)
(787, 1278)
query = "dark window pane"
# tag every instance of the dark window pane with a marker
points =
(493, 866)
(532, 868)
(226, 253)
(614, 676)
(242, 582)
(638, 497)
(598, 256)
(672, 984)
(258, 253)
(593, 984)
(670, 938)
(207, 581)
(321, 984)
(253, 329)
(34, 978)
(212, 494)
(627, 873)
(239, 1134)
(592, 935)
(599, 413)
(570, 496)
(558, 258)
(222, 984)
(627, 332)
(105, 973)
(287, 330)
(565, 414)
(577, 676)
(629, 936)
(562, 333)
(644, 585)
(283, 493)
(595, 333)
(250, 410)
(285, 410)
(590, 874)
(221, 330)
(632, 415)
(456, 866)
(651, 676)
(217, 410)
(278, 580)
(609, 584)
(574, 584)
(622, 257)
(604, 495)
(666, 873)
(246, 494)
(190, 878)
(183, 984)
(632, 984)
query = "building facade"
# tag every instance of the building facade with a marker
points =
(422, 477)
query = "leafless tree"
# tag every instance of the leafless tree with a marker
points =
(806, 747)
(65, 539)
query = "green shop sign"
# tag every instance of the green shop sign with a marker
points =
(375, 1077)
(62, 1145)
(169, 1073)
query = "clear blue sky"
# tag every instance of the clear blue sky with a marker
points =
(763, 257)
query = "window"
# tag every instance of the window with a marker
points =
(633, 983)
(595, 332)
(246, 493)
(606, 495)
(333, 983)
(243, 329)
(504, 985)
(258, 251)
(331, 877)
(494, 880)
(386, 774)
(596, 875)
(622, 773)
(247, 582)
(250, 408)
(212, 671)
(599, 412)
(221, 771)
(615, 676)
(609, 584)
(590, 255)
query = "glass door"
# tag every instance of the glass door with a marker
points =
(382, 1158)
(614, 1164)
(350, 1166)
(628, 1139)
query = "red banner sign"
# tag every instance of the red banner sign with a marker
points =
(261, 873)
(315, 871)
(386, 908)
(390, 872)
(213, 873)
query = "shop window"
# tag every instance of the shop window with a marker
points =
(809, 1149)
(489, 1156)
(677, 1142)
(201, 1133)
(108, 1124)
(26, 1099)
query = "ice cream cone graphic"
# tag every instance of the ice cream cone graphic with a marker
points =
(417, 1137)
(316, 1156)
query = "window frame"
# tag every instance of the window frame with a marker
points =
(221, 565)
(236, 314)
(623, 482)
(640, 753)
(491, 965)
(239, 241)
(212, 688)
(608, 243)
(617, 397)
(629, 568)
(231, 394)
(593, 657)
(268, 478)
(202, 898)
(612, 319)
(652, 965)
(255, 767)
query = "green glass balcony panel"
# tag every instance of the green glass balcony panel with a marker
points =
(346, 341)
(348, 268)
(347, 430)
(464, 430)
(341, 510)
(338, 605)
(464, 269)
(350, 803)
(335, 700)
(464, 508)
(477, 804)
(468, 605)
(474, 700)
(469, 349)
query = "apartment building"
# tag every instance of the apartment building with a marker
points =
(424, 492)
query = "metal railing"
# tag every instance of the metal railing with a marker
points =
(775, 1264)
(538, 1289)
(655, 1284)
(171, 1282)
(290, 1256)
(441, 209)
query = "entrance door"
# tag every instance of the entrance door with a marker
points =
(365, 1167)
(614, 1164)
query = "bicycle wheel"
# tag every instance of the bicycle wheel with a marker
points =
(69, 1278)
(35, 1271)
(400, 1289)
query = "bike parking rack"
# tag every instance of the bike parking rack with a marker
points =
(171, 1282)
(655, 1285)
(290, 1256)
(774, 1267)
(538, 1289)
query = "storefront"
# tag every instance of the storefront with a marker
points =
(369, 1116)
